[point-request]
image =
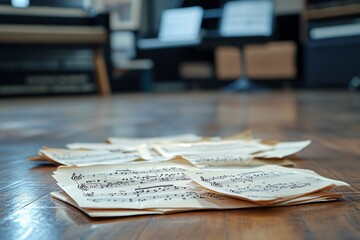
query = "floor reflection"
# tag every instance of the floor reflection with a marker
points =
(247, 111)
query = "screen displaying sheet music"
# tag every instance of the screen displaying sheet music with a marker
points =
(247, 18)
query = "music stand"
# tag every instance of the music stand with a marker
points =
(243, 22)
(178, 28)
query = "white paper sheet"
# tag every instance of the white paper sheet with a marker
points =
(131, 143)
(84, 157)
(283, 149)
(263, 185)
(169, 185)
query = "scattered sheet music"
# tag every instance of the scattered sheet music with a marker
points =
(140, 176)
(178, 185)
(236, 150)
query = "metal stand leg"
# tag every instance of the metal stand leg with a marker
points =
(243, 83)
(147, 80)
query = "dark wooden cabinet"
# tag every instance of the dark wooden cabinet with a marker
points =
(331, 37)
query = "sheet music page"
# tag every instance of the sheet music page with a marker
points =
(247, 18)
(315, 197)
(213, 160)
(139, 186)
(84, 157)
(226, 156)
(237, 148)
(96, 146)
(264, 185)
(110, 212)
(218, 159)
(204, 159)
(169, 185)
(131, 143)
(146, 152)
(181, 24)
(283, 149)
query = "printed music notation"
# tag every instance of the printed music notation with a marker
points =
(267, 183)
(180, 173)
(218, 160)
(206, 152)
(167, 192)
(127, 177)
(170, 185)
(137, 185)
(236, 150)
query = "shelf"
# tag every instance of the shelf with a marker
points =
(43, 11)
(337, 11)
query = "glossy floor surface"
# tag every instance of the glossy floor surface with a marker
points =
(330, 119)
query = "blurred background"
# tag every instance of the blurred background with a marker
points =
(61, 47)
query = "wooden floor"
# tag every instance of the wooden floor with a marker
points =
(330, 119)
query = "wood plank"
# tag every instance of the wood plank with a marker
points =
(281, 222)
(191, 225)
(21, 193)
(335, 220)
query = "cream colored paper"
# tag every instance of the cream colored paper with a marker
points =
(236, 148)
(232, 153)
(62, 196)
(139, 186)
(169, 185)
(133, 176)
(283, 149)
(263, 185)
(218, 159)
(132, 143)
(315, 197)
(96, 146)
(84, 157)
(201, 159)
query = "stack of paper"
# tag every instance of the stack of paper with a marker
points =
(136, 176)
(178, 185)
(233, 151)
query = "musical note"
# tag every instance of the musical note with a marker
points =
(126, 177)
(218, 160)
(265, 184)
(177, 185)
(155, 193)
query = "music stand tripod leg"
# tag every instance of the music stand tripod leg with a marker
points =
(102, 78)
(243, 83)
